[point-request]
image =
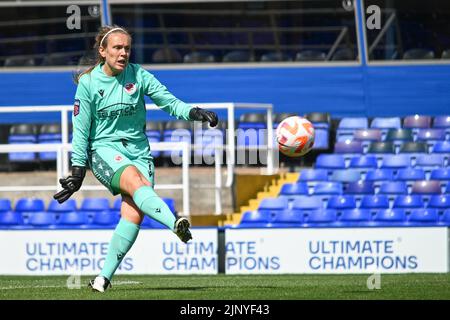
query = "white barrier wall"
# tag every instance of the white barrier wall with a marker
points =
(57, 252)
(362, 250)
(247, 251)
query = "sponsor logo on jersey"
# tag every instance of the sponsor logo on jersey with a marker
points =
(101, 92)
(118, 158)
(113, 114)
(130, 88)
(76, 107)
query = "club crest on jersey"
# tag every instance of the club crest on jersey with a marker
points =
(130, 88)
(118, 158)
(76, 107)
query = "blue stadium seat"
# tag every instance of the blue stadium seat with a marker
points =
(321, 139)
(153, 129)
(10, 218)
(431, 137)
(395, 161)
(442, 122)
(360, 187)
(390, 217)
(22, 134)
(347, 127)
(237, 56)
(94, 204)
(417, 122)
(67, 206)
(345, 176)
(399, 136)
(42, 220)
(426, 187)
(313, 175)
(328, 188)
(440, 202)
(73, 220)
(379, 175)
(447, 189)
(321, 218)
(307, 203)
(330, 162)
(429, 162)
(440, 174)
(104, 220)
(288, 219)
(117, 204)
(177, 135)
(255, 219)
(414, 201)
(349, 147)
(30, 205)
(355, 218)
(441, 147)
(445, 218)
(291, 190)
(364, 162)
(5, 205)
(381, 148)
(393, 188)
(250, 130)
(49, 133)
(410, 174)
(341, 202)
(367, 136)
(386, 123)
(421, 217)
(273, 204)
(375, 202)
(206, 142)
(415, 149)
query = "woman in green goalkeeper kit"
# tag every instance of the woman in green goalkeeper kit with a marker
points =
(109, 120)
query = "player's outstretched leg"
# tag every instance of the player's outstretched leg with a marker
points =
(152, 205)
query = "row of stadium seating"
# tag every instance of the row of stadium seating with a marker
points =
(352, 201)
(330, 218)
(12, 220)
(436, 162)
(87, 204)
(93, 213)
(169, 55)
(366, 187)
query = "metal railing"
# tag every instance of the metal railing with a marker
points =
(62, 149)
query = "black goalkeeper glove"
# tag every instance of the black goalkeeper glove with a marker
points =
(198, 114)
(71, 184)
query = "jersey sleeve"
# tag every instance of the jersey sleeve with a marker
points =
(162, 97)
(81, 120)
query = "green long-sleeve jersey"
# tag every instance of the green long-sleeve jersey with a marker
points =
(112, 108)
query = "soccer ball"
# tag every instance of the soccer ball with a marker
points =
(295, 136)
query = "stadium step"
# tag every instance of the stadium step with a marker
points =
(271, 191)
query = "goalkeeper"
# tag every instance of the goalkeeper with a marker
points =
(109, 120)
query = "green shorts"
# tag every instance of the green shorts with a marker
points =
(108, 161)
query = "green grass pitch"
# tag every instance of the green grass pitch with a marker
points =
(230, 287)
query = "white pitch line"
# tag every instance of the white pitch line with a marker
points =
(116, 283)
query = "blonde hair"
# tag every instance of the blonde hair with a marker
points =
(101, 40)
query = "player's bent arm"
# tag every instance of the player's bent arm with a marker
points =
(162, 97)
